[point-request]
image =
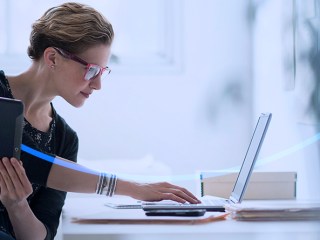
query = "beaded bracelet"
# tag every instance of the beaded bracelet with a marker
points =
(106, 184)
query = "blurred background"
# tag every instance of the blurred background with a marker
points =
(189, 81)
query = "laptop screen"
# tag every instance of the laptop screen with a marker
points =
(251, 157)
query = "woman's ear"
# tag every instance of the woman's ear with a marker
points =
(50, 57)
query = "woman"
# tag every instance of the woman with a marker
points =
(69, 45)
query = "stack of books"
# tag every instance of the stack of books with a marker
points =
(294, 211)
(262, 185)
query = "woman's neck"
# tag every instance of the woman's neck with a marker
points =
(33, 88)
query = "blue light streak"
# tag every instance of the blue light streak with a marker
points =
(260, 162)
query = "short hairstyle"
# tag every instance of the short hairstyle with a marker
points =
(71, 26)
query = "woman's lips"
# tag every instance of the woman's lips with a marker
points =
(86, 95)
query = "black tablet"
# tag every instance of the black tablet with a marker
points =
(11, 127)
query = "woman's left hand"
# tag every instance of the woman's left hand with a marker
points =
(15, 187)
(155, 191)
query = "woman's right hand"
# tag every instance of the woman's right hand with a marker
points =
(15, 187)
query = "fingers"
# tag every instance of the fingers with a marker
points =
(157, 192)
(183, 193)
(182, 196)
(21, 174)
(169, 191)
(3, 187)
(7, 185)
(14, 180)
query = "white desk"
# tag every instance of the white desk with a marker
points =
(227, 229)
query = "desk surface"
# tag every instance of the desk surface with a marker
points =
(228, 229)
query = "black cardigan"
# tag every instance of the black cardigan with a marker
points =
(46, 203)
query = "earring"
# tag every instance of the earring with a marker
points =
(52, 66)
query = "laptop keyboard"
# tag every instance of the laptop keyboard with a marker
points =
(204, 202)
(213, 202)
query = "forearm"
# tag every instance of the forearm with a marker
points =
(68, 176)
(71, 177)
(25, 224)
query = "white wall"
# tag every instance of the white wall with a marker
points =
(184, 118)
(289, 129)
(198, 113)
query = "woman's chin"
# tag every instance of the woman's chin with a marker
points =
(77, 103)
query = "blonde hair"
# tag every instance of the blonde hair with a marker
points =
(71, 26)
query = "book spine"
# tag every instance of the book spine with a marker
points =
(201, 185)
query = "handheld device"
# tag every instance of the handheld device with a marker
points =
(11, 127)
(177, 213)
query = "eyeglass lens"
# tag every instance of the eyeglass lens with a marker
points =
(92, 72)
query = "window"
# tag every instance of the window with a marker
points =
(148, 32)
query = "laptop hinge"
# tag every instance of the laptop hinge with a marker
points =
(233, 200)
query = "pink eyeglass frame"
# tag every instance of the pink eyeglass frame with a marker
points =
(75, 58)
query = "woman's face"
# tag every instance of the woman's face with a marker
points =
(70, 81)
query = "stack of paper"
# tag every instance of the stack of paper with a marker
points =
(137, 216)
(306, 211)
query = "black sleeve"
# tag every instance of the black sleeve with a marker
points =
(37, 169)
(47, 204)
(66, 140)
(66, 143)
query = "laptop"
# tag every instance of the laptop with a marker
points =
(241, 183)
(11, 127)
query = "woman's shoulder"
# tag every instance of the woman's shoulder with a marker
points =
(2, 74)
(62, 125)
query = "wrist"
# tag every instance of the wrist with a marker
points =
(126, 188)
(106, 184)
(17, 207)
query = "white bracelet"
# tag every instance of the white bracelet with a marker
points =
(106, 184)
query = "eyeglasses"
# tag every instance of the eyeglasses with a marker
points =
(92, 70)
